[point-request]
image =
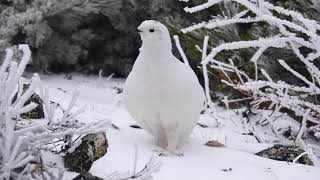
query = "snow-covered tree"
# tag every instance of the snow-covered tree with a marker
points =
(293, 32)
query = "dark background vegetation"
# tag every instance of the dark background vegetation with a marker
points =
(86, 36)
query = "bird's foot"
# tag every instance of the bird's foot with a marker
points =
(161, 143)
(160, 151)
(176, 152)
(166, 152)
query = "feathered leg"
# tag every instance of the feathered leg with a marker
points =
(174, 141)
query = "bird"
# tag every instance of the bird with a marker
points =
(161, 93)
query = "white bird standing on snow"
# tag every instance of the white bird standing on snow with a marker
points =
(162, 94)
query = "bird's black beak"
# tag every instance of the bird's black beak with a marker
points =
(139, 31)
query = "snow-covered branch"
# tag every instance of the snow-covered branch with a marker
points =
(22, 141)
(178, 45)
(299, 32)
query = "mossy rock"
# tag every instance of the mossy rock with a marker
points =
(91, 148)
(86, 176)
(285, 153)
(36, 113)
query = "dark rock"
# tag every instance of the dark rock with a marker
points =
(285, 153)
(86, 176)
(36, 113)
(135, 126)
(214, 143)
(91, 148)
(227, 170)
(288, 133)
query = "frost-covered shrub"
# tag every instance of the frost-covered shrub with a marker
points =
(25, 145)
(87, 36)
(295, 33)
(245, 31)
(56, 30)
(80, 35)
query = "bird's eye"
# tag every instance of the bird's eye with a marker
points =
(151, 30)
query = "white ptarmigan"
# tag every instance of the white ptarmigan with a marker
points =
(162, 94)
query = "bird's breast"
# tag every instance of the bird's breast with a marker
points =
(159, 84)
(150, 84)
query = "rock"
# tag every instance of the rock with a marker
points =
(84, 152)
(285, 153)
(36, 113)
(214, 143)
(135, 126)
(86, 176)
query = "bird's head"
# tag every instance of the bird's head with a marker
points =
(154, 35)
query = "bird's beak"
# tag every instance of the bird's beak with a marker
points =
(139, 29)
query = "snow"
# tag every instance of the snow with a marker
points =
(235, 161)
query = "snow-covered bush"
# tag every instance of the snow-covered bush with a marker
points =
(52, 28)
(23, 143)
(295, 33)
(69, 35)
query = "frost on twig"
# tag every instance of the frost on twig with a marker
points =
(178, 45)
(263, 91)
(153, 166)
(22, 143)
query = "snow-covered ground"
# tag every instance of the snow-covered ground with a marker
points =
(235, 161)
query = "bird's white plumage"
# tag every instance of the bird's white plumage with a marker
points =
(162, 94)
